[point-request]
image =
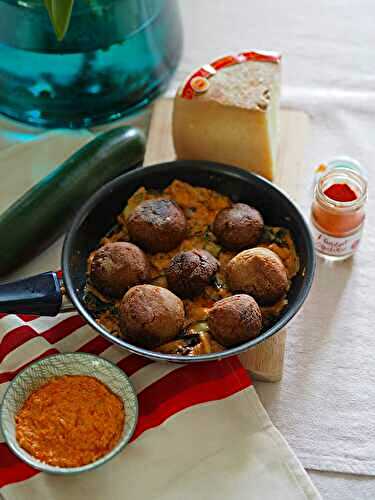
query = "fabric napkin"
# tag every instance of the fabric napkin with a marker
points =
(28, 162)
(202, 431)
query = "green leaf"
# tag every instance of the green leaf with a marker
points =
(213, 248)
(48, 4)
(59, 12)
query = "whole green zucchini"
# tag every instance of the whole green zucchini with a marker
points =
(35, 220)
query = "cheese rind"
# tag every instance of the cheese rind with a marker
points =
(235, 121)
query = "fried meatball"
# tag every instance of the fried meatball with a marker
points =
(238, 227)
(157, 225)
(118, 266)
(190, 272)
(258, 272)
(235, 320)
(150, 316)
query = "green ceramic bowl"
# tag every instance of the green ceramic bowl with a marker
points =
(36, 374)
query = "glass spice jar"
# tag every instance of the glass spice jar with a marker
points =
(338, 211)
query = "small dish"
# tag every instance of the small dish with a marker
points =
(36, 374)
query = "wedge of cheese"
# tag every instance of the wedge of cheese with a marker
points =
(228, 112)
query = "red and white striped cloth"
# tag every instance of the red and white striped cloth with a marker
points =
(207, 433)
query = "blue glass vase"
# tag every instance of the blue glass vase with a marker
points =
(115, 58)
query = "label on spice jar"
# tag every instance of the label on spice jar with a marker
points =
(337, 247)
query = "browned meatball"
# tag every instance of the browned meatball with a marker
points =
(118, 266)
(258, 272)
(190, 272)
(157, 225)
(238, 227)
(150, 316)
(235, 320)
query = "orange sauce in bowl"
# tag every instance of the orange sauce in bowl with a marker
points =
(70, 421)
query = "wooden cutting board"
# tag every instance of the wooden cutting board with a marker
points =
(264, 361)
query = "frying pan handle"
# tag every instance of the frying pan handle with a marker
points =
(40, 294)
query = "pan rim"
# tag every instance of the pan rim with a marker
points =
(210, 167)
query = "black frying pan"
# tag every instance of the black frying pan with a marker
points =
(42, 294)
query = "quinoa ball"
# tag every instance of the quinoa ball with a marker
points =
(260, 273)
(238, 227)
(150, 316)
(157, 225)
(235, 320)
(190, 272)
(118, 266)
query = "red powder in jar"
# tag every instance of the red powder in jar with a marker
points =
(340, 192)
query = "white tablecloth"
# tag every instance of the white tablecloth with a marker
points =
(325, 405)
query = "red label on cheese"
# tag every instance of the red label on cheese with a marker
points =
(210, 69)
